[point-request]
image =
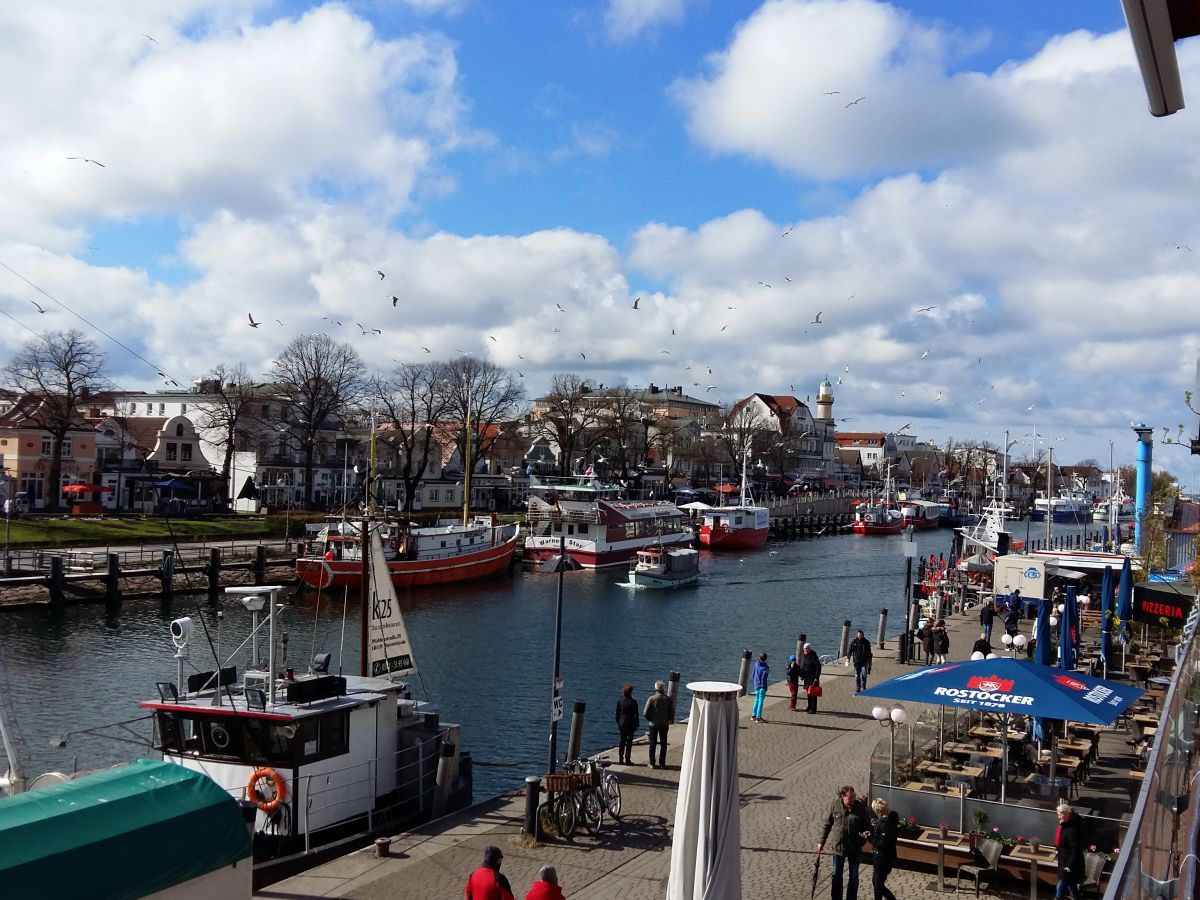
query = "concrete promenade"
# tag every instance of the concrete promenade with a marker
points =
(791, 767)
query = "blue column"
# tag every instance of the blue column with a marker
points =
(1145, 456)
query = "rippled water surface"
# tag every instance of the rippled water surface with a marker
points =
(485, 651)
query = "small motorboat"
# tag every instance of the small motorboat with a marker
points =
(664, 567)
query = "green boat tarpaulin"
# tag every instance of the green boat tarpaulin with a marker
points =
(123, 832)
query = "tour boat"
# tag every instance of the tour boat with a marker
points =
(661, 567)
(741, 527)
(322, 756)
(600, 529)
(1066, 506)
(922, 515)
(447, 553)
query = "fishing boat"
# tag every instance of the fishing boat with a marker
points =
(322, 756)
(1117, 507)
(446, 553)
(660, 567)
(922, 515)
(1067, 505)
(880, 516)
(741, 527)
(600, 529)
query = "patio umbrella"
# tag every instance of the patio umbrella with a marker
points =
(1125, 606)
(1106, 590)
(1041, 656)
(1005, 686)
(1068, 632)
(174, 484)
(706, 845)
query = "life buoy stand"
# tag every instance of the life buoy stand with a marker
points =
(267, 806)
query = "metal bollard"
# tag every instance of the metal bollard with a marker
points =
(673, 692)
(801, 640)
(882, 626)
(576, 738)
(844, 646)
(533, 793)
(744, 674)
(441, 788)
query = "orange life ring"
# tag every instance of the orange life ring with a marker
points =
(267, 806)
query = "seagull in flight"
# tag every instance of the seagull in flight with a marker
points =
(426, 349)
(1030, 407)
(711, 387)
(149, 38)
(905, 426)
(519, 356)
(38, 305)
(665, 352)
(556, 331)
(395, 300)
(816, 319)
(253, 324)
(558, 306)
(925, 354)
(636, 302)
(854, 102)
(831, 93)
(925, 309)
(764, 284)
(86, 160)
(582, 354)
(379, 272)
(723, 327)
(938, 397)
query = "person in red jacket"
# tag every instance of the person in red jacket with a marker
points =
(486, 882)
(546, 887)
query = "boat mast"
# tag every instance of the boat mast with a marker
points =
(746, 500)
(1114, 505)
(1049, 491)
(467, 458)
(368, 489)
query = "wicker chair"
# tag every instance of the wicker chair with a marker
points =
(988, 851)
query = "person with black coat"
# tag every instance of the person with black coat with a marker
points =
(987, 615)
(847, 822)
(810, 676)
(982, 645)
(1071, 843)
(793, 681)
(884, 831)
(859, 652)
(925, 636)
(941, 643)
(628, 721)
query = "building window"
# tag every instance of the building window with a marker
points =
(185, 452)
(182, 408)
(179, 429)
(433, 494)
(172, 452)
(48, 447)
(162, 409)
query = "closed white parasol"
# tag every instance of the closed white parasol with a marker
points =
(706, 847)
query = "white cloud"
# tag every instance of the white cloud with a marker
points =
(626, 19)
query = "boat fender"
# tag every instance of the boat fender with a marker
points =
(267, 806)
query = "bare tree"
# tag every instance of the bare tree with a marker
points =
(571, 419)
(624, 424)
(57, 371)
(231, 413)
(413, 402)
(486, 394)
(322, 379)
(743, 430)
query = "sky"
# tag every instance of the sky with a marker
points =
(963, 214)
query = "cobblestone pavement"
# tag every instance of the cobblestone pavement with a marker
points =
(791, 767)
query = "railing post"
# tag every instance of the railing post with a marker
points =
(744, 673)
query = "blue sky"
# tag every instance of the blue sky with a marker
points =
(496, 159)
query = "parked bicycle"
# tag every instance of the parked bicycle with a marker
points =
(583, 793)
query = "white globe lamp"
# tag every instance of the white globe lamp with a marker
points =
(899, 716)
(976, 656)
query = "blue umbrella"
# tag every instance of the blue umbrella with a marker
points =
(1125, 601)
(1041, 656)
(1068, 633)
(1106, 590)
(1006, 685)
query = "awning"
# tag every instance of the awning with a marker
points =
(1066, 573)
(129, 831)
(87, 489)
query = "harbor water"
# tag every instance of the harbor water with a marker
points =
(485, 650)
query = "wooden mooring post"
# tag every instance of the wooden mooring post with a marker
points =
(166, 575)
(56, 581)
(213, 570)
(260, 565)
(112, 579)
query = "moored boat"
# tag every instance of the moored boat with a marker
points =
(879, 517)
(922, 515)
(741, 527)
(663, 567)
(600, 529)
(1070, 506)
(447, 553)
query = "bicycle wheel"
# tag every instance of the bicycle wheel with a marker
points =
(564, 814)
(612, 791)
(591, 811)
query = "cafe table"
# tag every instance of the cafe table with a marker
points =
(1092, 731)
(1043, 854)
(953, 839)
(1064, 762)
(957, 749)
(992, 734)
(936, 768)
(950, 791)
(1078, 748)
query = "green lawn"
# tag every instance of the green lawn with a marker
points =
(51, 532)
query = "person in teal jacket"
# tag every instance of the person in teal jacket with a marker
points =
(758, 677)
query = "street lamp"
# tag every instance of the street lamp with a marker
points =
(889, 719)
(1011, 642)
(560, 564)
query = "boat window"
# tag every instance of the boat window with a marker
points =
(324, 736)
(583, 529)
(570, 529)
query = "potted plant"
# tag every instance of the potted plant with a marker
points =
(944, 830)
(909, 828)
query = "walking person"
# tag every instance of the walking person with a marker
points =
(848, 824)
(884, 830)
(982, 645)
(987, 615)
(758, 677)
(658, 715)
(1012, 621)
(628, 721)
(1070, 842)
(941, 643)
(860, 655)
(793, 681)
(546, 887)
(926, 636)
(810, 676)
(487, 882)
